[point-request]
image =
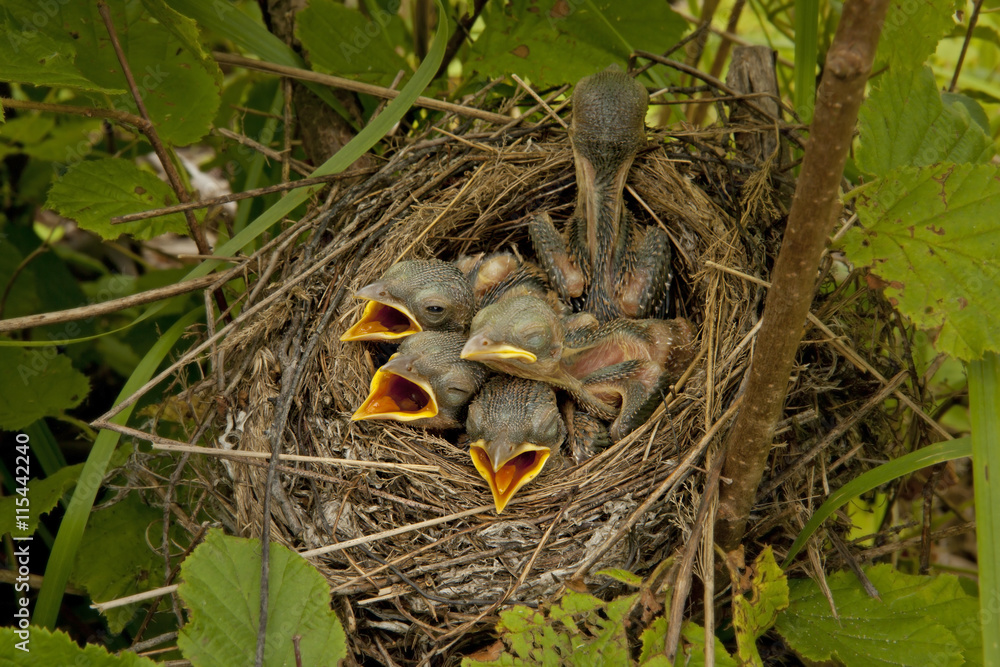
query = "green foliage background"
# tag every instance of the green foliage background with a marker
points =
(924, 172)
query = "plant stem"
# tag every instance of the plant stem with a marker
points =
(810, 222)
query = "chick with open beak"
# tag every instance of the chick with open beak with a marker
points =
(425, 383)
(413, 296)
(514, 425)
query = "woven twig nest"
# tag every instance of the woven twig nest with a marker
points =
(442, 196)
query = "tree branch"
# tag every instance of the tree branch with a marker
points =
(810, 222)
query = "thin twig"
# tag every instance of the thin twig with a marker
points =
(965, 44)
(237, 196)
(106, 307)
(138, 123)
(169, 446)
(166, 161)
(356, 86)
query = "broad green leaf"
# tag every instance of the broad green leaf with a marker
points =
(918, 621)
(344, 42)
(45, 647)
(905, 123)
(71, 528)
(755, 611)
(690, 653)
(186, 32)
(578, 630)
(115, 560)
(931, 234)
(37, 383)
(912, 30)
(535, 39)
(221, 587)
(30, 55)
(165, 70)
(93, 192)
(43, 494)
(883, 474)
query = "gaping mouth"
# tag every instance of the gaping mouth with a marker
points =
(393, 396)
(512, 475)
(380, 321)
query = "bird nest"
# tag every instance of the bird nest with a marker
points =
(396, 517)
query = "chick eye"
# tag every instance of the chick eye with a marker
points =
(435, 309)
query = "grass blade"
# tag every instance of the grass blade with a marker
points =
(806, 55)
(984, 410)
(904, 465)
(72, 526)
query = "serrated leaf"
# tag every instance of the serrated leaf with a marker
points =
(44, 495)
(344, 42)
(93, 192)
(905, 123)
(186, 31)
(38, 383)
(46, 647)
(623, 576)
(755, 611)
(30, 55)
(177, 90)
(532, 38)
(114, 558)
(911, 32)
(222, 589)
(579, 630)
(690, 653)
(932, 235)
(918, 621)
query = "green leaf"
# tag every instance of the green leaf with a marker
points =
(690, 653)
(222, 589)
(623, 576)
(93, 192)
(579, 630)
(905, 123)
(883, 474)
(44, 494)
(186, 32)
(114, 559)
(918, 621)
(344, 42)
(45, 647)
(38, 57)
(753, 615)
(532, 38)
(75, 520)
(165, 70)
(984, 412)
(932, 235)
(38, 383)
(911, 32)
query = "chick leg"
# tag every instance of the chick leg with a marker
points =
(565, 271)
(643, 289)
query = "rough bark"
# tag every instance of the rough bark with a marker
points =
(322, 130)
(752, 70)
(793, 284)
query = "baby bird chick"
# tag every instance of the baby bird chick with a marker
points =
(425, 383)
(413, 296)
(514, 425)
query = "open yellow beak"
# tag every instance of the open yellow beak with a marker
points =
(392, 396)
(480, 348)
(506, 479)
(380, 321)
